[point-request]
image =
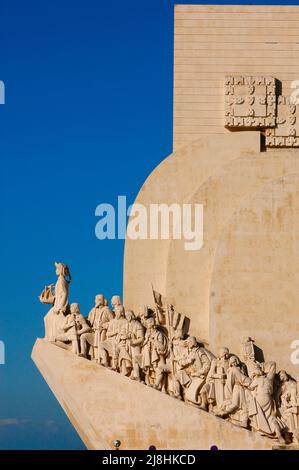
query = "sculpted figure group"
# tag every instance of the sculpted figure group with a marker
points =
(152, 347)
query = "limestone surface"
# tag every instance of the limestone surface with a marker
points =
(104, 406)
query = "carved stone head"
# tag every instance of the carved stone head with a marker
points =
(99, 300)
(150, 322)
(130, 315)
(119, 312)
(223, 353)
(115, 301)
(63, 270)
(283, 376)
(75, 308)
(234, 361)
(191, 342)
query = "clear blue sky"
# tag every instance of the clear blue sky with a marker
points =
(88, 115)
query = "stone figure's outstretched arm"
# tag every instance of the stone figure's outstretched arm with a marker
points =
(272, 370)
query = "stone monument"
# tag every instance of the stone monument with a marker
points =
(203, 358)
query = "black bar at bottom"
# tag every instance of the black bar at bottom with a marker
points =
(148, 459)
